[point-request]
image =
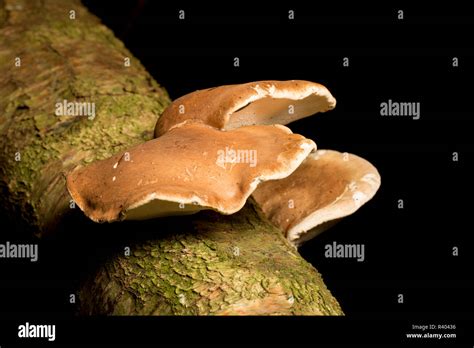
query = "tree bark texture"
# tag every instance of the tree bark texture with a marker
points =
(215, 264)
(78, 60)
(225, 265)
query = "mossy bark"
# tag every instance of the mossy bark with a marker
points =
(222, 265)
(237, 264)
(49, 54)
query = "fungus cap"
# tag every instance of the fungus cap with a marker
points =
(262, 102)
(328, 186)
(190, 168)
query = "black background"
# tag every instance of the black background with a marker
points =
(408, 251)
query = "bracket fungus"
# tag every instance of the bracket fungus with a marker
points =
(328, 186)
(215, 156)
(187, 170)
(262, 102)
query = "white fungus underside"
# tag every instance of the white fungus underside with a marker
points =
(274, 110)
(345, 204)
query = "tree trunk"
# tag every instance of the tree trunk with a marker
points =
(47, 57)
(52, 51)
(236, 264)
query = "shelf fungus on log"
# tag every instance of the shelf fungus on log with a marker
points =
(261, 102)
(190, 168)
(202, 264)
(328, 186)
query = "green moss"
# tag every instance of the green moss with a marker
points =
(43, 121)
(198, 273)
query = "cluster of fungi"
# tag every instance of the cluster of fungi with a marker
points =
(300, 189)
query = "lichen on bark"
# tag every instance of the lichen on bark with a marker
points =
(47, 57)
(226, 265)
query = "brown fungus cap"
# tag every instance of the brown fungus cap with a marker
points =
(262, 102)
(190, 168)
(327, 186)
